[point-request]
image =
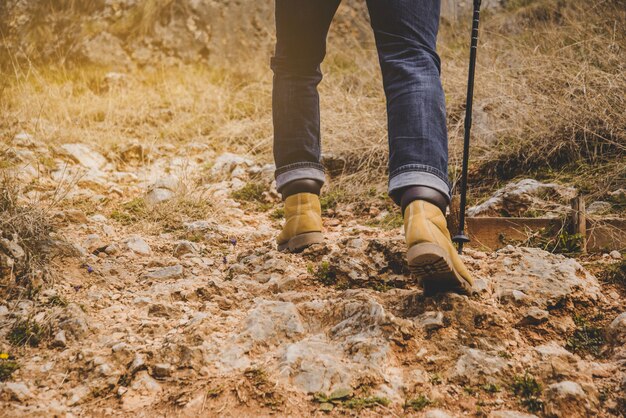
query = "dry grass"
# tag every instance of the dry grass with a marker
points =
(549, 99)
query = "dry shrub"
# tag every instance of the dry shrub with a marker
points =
(551, 76)
(29, 226)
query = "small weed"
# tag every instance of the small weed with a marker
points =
(251, 192)
(131, 212)
(614, 273)
(470, 390)
(369, 402)
(505, 355)
(215, 392)
(586, 338)
(329, 200)
(124, 379)
(324, 273)
(345, 398)
(8, 366)
(419, 403)
(263, 389)
(26, 332)
(277, 214)
(389, 221)
(528, 390)
(57, 300)
(491, 388)
(436, 379)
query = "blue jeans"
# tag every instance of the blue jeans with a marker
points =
(406, 34)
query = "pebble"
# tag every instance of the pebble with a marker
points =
(138, 245)
(615, 255)
(17, 391)
(168, 273)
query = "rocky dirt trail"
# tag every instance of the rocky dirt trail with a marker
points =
(201, 316)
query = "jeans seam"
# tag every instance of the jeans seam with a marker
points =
(419, 168)
(295, 166)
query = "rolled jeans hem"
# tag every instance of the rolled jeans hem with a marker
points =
(298, 172)
(419, 178)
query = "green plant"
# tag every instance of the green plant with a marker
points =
(329, 201)
(528, 390)
(277, 214)
(389, 221)
(345, 398)
(251, 192)
(586, 338)
(491, 388)
(324, 273)
(57, 300)
(26, 332)
(614, 273)
(418, 403)
(8, 366)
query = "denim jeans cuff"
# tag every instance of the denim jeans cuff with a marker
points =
(419, 178)
(299, 171)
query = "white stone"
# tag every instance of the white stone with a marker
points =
(17, 391)
(138, 245)
(84, 155)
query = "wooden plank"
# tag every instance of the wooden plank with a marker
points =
(492, 233)
(578, 221)
(606, 235)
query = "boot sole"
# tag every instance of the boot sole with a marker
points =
(301, 241)
(435, 270)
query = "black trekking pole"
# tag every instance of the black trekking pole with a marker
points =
(461, 237)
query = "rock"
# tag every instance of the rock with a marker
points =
(156, 196)
(616, 331)
(437, 413)
(516, 198)
(78, 395)
(138, 245)
(168, 273)
(510, 414)
(568, 399)
(531, 275)
(93, 242)
(313, 365)
(75, 216)
(112, 249)
(430, 320)
(477, 367)
(105, 50)
(226, 163)
(161, 370)
(162, 190)
(143, 391)
(615, 255)
(599, 208)
(535, 316)
(185, 247)
(17, 391)
(59, 341)
(84, 155)
(138, 363)
(272, 321)
(12, 248)
(133, 152)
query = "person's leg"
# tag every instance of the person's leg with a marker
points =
(301, 31)
(406, 35)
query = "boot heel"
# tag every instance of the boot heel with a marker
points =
(301, 241)
(434, 269)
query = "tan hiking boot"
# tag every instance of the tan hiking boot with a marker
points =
(431, 254)
(303, 222)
